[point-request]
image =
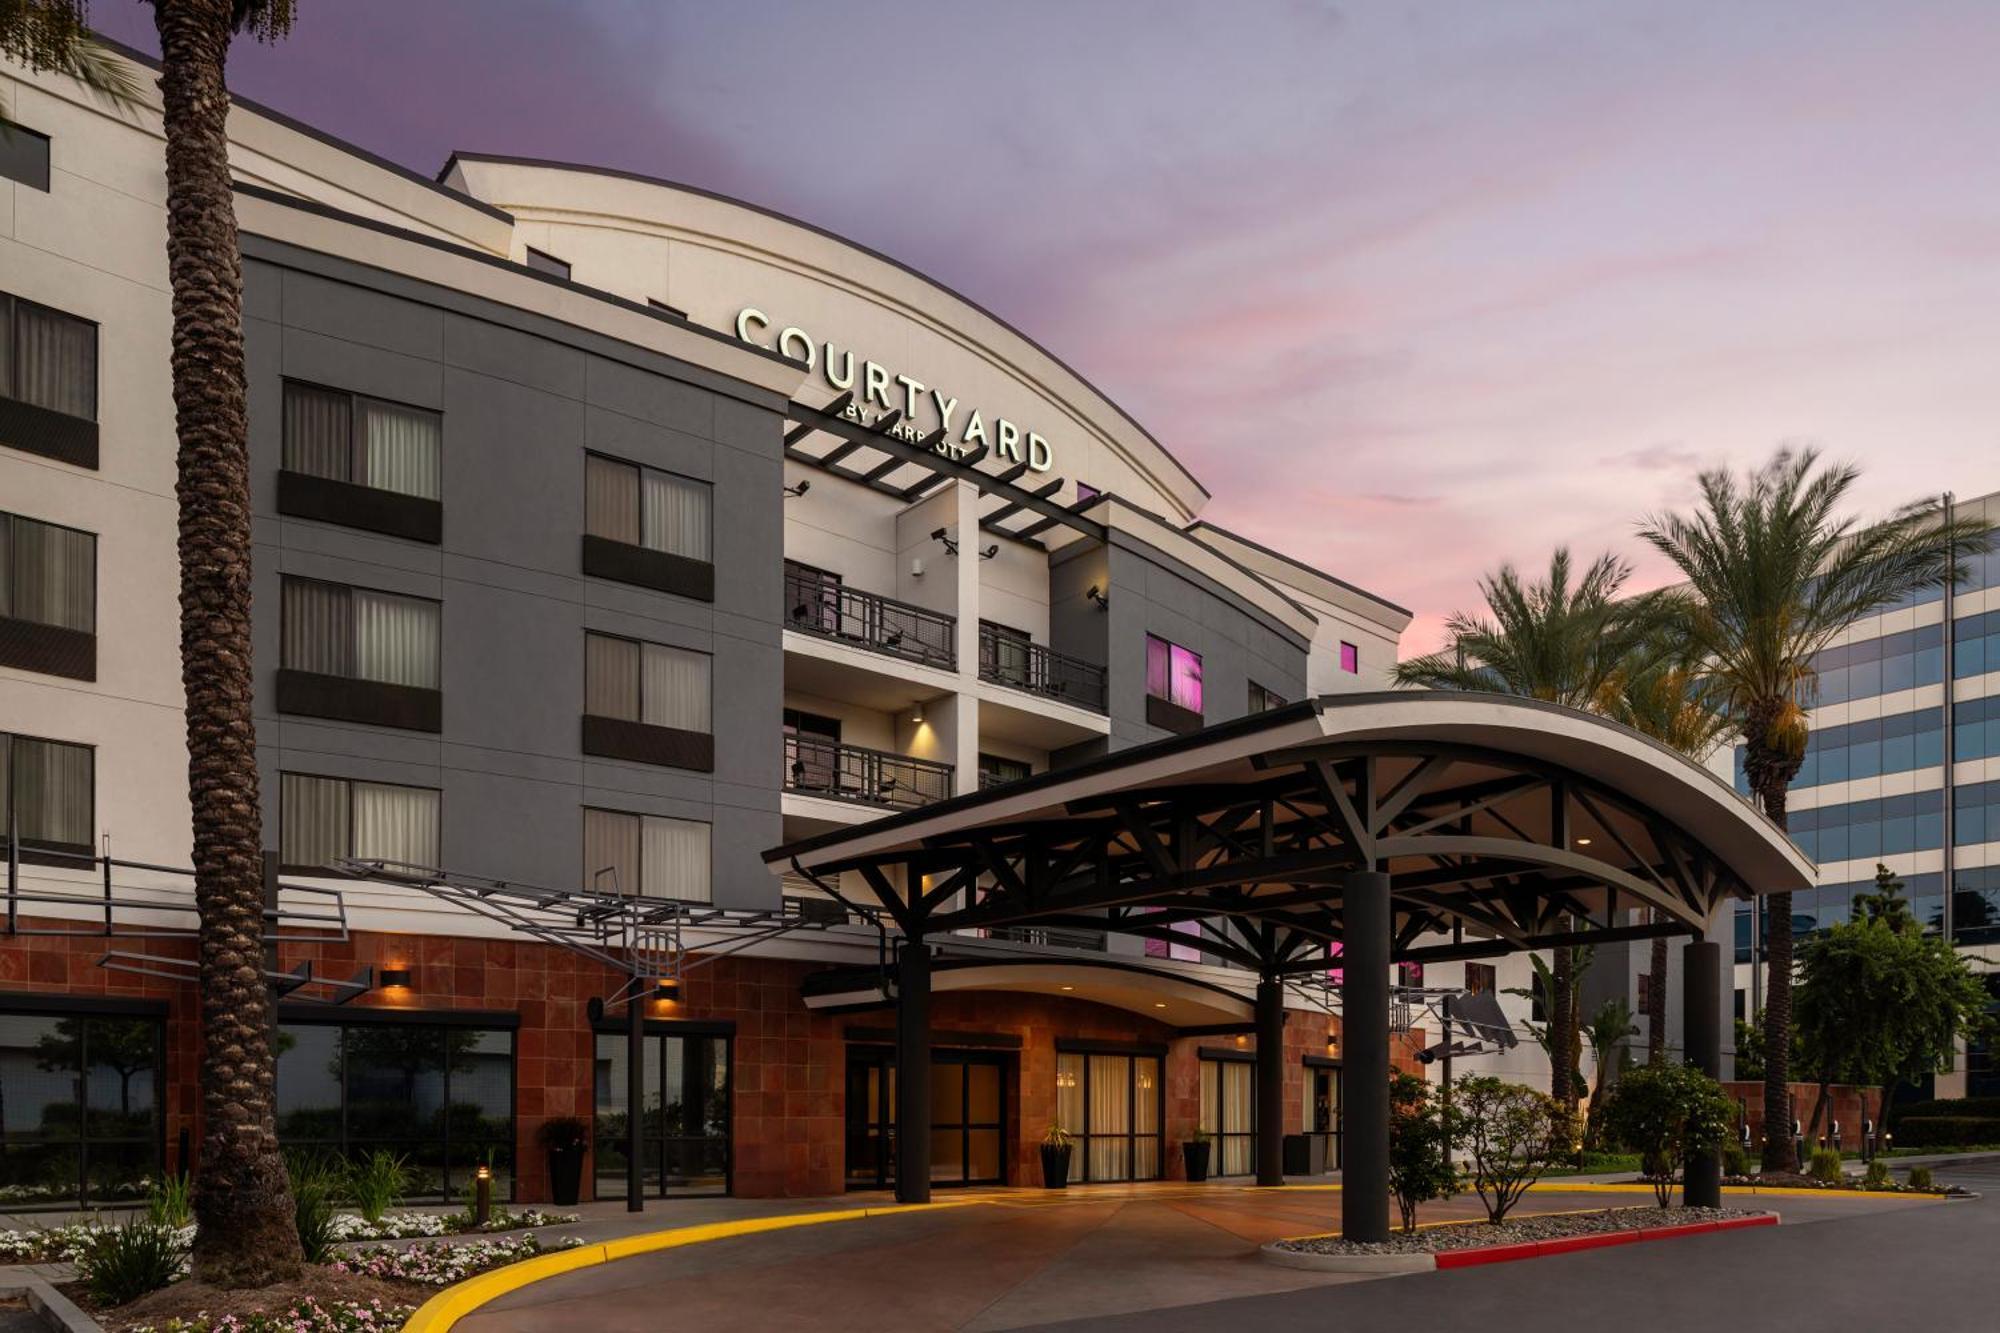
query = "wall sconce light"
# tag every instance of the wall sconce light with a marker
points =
(794, 492)
(395, 978)
(1332, 1042)
(917, 712)
(990, 551)
(667, 988)
(1095, 595)
(944, 535)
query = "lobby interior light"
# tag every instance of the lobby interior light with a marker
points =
(1159, 1004)
(1583, 842)
(1069, 988)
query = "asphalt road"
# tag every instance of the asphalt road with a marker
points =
(1929, 1269)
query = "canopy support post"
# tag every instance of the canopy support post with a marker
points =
(913, 1071)
(1270, 1080)
(1701, 1015)
(1364, 1029)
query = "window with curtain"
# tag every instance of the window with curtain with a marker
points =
(24, 155)
(47, 792)
(48, 359)
(321, 820)
(1173, 673)
(1229, 1113)
(1110, 1102)
(650, 855)
(643, 506)
(1263, 700)
(347, 437)
(646, 682)
(48, 574)
(334, 630)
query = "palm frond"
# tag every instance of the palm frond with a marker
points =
(54, 36)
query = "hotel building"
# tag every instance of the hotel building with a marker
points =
(608, 533)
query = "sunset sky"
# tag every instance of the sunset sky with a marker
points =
(1415, 288)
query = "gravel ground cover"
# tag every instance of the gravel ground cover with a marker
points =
(1552, 1226)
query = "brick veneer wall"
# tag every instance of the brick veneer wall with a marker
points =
(1846, 1103)
(790, 1062)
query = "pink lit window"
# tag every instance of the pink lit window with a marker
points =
(1086, 491)
(1350, 659)
(1173, 673)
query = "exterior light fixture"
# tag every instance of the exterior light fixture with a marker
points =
(917, 711)
(667, 988)
(794, 492)
(1069, 988)
(482, 1199)
(1159, 1004)
(1583, 842)
(944, 535)
(1093, 593)
(395, 978)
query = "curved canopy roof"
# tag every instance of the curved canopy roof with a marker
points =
(1502, 823)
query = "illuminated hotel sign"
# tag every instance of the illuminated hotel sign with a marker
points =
(877, 392)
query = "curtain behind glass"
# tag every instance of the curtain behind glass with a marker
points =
(313, 827)
(49, 575)
(676, 690)
(611, 500)
(400, 449)
(1158, 670)
(396, 823)
(1110, 1116)
(1186, 683)
(319, 432)
(674, 854)
(55, 361)
(610, 851)
(51, 789)
(1238, 1145)
(395, 639)
(318, 628)
(1146, 1117)
(1069, 1105)
(676, 515)
(610, 677)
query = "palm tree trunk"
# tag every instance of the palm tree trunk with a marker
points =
(242, 1200)
(1780, 1153)
(1656, 1002)
(1562, 1028)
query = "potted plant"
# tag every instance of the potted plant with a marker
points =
(1057, 1145)
(1194, 1155)
(564, 1139)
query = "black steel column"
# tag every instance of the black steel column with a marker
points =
(913, 1072)
(635, 1097)
(1364, 1024)
(1701, 1017)
(1270, 1081)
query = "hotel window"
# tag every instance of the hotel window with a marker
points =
(1173, 685)
(46, 793)
(647, 702)
(648, 527)
(1481, 979)
(323, 820)
(995, 771)
(361, 462)
(48, 382)
(83, 1095)
(1263, 700)
(1350, 659)
(543, 262)
(359, 656)
(1111, 1102)
(648, 855)
(24, 155)
(1229, 1113)
(48, 598)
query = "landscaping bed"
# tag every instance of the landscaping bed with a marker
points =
(1518, 1231)
(1795, 1180)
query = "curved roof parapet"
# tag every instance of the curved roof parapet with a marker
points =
(562, 200)
(1515, 823)
(1169, 997)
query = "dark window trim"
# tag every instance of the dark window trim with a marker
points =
(644, 743)
(622, 562)
(555, 268)
(348, 699)
(50, 650)
(614, 1026)
(91, 1006)
(1170, 716)
(1095, 1046)
(320, 1015)
(1235, 1054)
(1322, 1062)
(10, 129)
(971, 1041)
(370, 508)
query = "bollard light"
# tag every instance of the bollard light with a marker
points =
(482, 1196)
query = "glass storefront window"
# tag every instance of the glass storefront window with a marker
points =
(80, 1108)
(1110, 1102)
(684, 1114)
(1228, 1115)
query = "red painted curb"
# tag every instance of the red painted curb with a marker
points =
(1534, 1249)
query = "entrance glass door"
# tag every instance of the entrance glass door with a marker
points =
(684, 1125)
(968, 1118)
(1323, 1110)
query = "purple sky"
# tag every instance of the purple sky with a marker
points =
(1414, 287)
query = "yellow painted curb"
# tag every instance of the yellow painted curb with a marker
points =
(442, 1311)
(1604, 1187)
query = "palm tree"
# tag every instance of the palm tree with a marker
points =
(1606, 1032)
(247, 1234)
(1566, 640)
(1773, 575)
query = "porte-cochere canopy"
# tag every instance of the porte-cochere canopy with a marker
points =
(1503, 824)
(1397, 825)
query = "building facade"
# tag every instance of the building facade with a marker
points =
(607, 533)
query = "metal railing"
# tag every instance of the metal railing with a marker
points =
(818, 604)
(818, 767)
(1054, 937)
(1008, 659)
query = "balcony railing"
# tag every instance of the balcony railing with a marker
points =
(1054, 937)
(1008, 659)
(819, 767)
(818, 604)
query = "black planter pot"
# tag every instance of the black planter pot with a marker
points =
(1194, 1156)
(565, 1174)
(1055, 1165)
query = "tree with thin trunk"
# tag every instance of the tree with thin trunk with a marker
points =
(1773, 575)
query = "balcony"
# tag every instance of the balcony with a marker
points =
(818, 603)
(829, 769)
(1008, 659)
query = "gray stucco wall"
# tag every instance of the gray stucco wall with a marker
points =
(1149, 594)
(522, 399)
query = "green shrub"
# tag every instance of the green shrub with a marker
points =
(123, 1263)
(1979, 1108)
(1670, 1114)
(170, 1203)
(1422, 1133)
(1825, 1166)
(1944, 1131)
(1920, 1178)
(378, 1182)
(316, 1181)
(1735, 1162)
(1876, 1177)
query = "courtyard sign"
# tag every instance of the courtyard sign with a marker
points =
(878, 392)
